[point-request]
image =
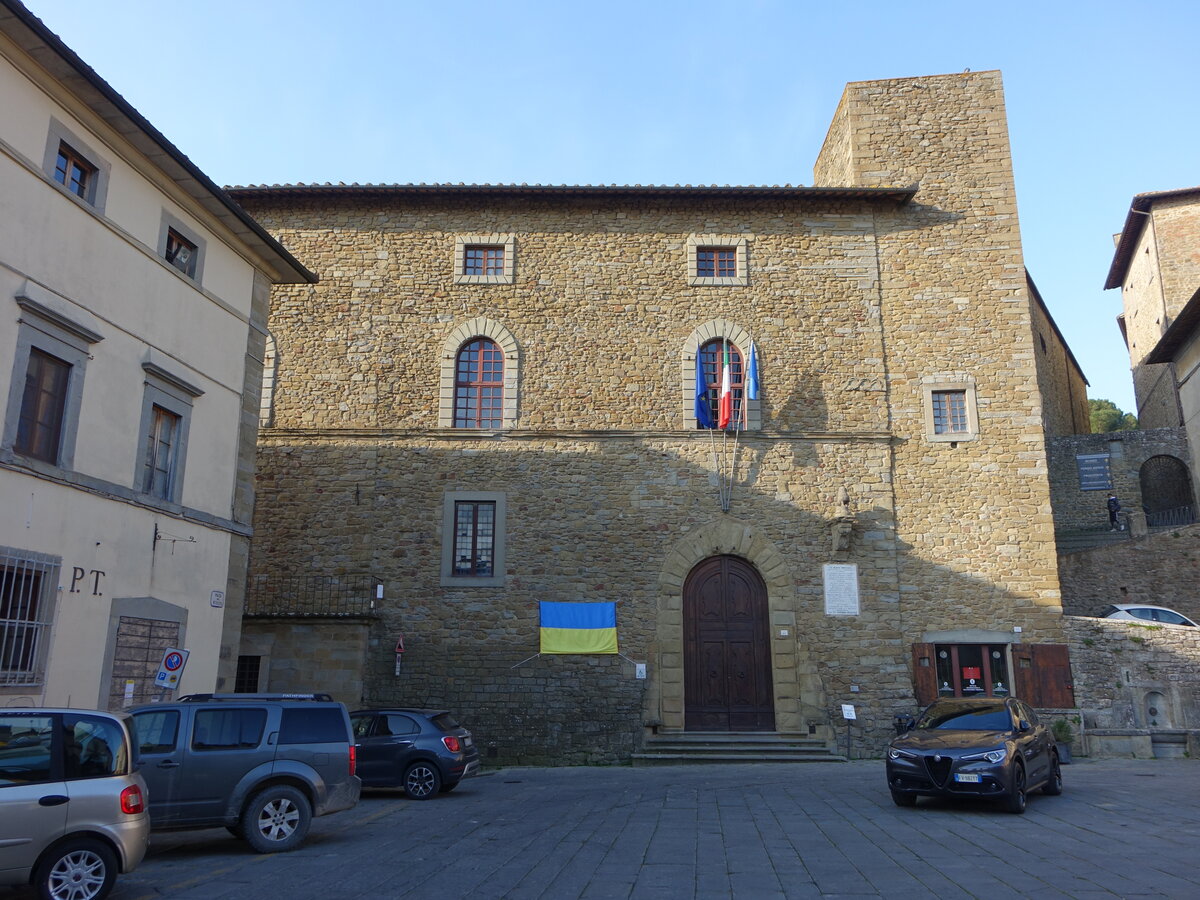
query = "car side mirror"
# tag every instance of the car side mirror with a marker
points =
(1023, 726)
(903, 723)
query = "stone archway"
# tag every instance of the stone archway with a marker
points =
(1166, 489)
(798, 696)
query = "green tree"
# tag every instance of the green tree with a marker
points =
(1107, 417)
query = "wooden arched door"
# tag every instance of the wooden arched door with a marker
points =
(727, 648)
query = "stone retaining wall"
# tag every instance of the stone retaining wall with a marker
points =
(1136, 687)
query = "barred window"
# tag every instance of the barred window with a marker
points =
(26, 585)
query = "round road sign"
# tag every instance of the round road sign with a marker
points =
(172, 661)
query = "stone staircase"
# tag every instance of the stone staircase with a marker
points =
(715, 747)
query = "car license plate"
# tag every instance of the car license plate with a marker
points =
(967, 779)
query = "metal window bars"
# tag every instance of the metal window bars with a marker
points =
(27, 582)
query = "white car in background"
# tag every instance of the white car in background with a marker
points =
(1160, 615)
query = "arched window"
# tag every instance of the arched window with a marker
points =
(479, 385)
(712, 356)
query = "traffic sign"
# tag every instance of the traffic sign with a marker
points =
(171, 668)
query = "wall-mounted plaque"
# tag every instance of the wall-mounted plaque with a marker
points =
(841, 589)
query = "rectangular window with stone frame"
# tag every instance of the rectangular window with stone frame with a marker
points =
(473, 539)
(950, 412)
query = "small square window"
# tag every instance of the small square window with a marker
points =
(717, 260)
(950, 409)
(484, 259)
(949, 412)
(181, 253)
(74, 172)
(74, 166)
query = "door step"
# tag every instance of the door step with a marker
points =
(717, 747)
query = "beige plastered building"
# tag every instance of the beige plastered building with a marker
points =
(133, 303)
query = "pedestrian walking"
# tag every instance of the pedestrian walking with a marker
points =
(1114, 509)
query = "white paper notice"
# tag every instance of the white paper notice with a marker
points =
(841, 589)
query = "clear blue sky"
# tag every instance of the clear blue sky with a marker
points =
(1102, 100)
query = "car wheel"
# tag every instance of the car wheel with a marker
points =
(422, 780)
(1016, 795)
(1053, 785)
(276, 819)
(902, 799)
(81, 869)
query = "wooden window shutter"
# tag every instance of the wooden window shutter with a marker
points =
(924, 674)
(1042, 675)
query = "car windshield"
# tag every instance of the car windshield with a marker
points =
(972, 718)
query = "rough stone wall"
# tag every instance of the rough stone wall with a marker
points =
(1118, 665)
(1128, 451)
(952, 272)
(310, 656)
(1163, 274)
(611, 492)
(1177, 231)
(1064, 390)
(1162, 569)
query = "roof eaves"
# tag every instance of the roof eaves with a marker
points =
(1037, 296)
(899, 195)
(49, 51)
(1135, 222)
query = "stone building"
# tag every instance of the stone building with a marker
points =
(490, 400)
(133, 302)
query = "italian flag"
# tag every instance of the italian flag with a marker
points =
(725, 401)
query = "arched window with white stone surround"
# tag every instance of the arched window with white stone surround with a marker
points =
(707, 342)
(480, 371)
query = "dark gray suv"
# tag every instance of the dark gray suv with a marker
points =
(262, 765)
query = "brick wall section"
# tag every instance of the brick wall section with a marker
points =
(1128, 451)
(611, 492)
(1161, 570)
(1116, 666)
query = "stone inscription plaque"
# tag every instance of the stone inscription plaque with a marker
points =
(841, 589)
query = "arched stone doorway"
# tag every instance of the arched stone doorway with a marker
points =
(1166, 491)
(727, 648)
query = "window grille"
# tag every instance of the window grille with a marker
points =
(27, 581)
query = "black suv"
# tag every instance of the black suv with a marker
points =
(985, 748)
(424, 751)
(262, 765)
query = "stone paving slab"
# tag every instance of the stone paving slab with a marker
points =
(1123, 828)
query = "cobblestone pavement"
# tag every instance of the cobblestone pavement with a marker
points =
(1123, 828)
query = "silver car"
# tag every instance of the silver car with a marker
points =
(72, 803)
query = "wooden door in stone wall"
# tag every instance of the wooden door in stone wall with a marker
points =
(727, 652)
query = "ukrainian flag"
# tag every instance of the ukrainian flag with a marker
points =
(578, 627)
